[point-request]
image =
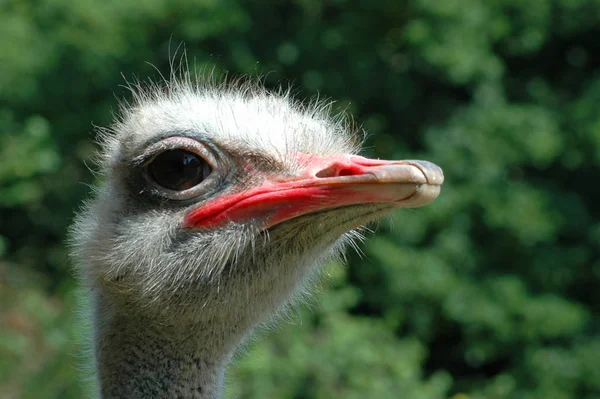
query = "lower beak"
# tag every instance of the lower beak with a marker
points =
(325, 183)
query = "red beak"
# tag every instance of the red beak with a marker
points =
(328, 182)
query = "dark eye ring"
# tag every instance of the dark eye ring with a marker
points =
(178, 169)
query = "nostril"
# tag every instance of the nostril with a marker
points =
(335, 171)
(327, 172)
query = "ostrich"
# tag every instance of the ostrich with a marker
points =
(219, 204)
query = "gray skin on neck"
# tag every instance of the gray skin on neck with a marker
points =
(171, 305)
(180, 346)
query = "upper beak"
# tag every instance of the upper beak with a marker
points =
(326, 183)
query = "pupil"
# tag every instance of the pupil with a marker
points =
(178, 170)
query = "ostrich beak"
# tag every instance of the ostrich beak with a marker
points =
(326, 183)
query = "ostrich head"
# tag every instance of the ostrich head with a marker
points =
(217, 206)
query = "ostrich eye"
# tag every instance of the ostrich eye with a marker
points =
(178, 170)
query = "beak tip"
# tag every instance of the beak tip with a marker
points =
(424, 195)
(434, 175)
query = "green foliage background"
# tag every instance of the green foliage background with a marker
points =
(491, 292)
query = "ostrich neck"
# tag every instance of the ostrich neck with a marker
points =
(139, 357)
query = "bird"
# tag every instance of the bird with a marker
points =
(218, 204)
